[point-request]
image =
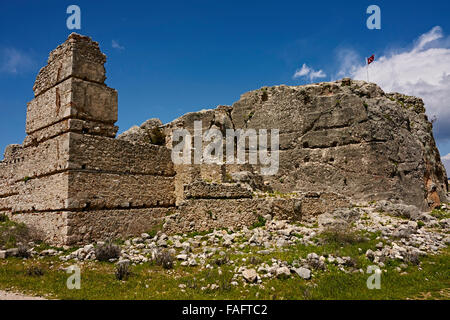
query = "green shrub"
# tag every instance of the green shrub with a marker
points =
(122, 271)
(23, 251)
(165, 259)
(341, 236)
(440, 214)
(260, 223)
(35, 271)
(107, 251)
(12, 233)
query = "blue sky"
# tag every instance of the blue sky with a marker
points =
(169, 58)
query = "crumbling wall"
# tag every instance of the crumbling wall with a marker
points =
(70, 179)
(346, 137)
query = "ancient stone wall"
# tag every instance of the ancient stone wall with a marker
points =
(341, 143)
(70, 179)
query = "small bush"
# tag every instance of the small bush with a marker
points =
(412, 258)
(122, 271)
(23, 251)
(440, 214)
(107, 251)
(221, 261)
(260, 223)
(165, 259)
(155, 229)
(254, 260)
(3, 218)
(12, 233)
(35, 271)
(341, 236)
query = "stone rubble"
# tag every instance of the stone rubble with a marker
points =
(399, 239)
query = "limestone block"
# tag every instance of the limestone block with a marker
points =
(85, 227)
(71, 125)
(75, 99)
(50, 227)
(91, 189)
(78, 57)
(69, 228)
(99, 153)
(203, 215)
(41, 194)
(204, 190)
(36, 160)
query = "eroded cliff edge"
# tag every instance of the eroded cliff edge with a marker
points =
(347, 137)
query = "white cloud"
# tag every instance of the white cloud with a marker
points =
(308, 72)
(14, 61)
(433, 34)
(423, 71)
(116, 45)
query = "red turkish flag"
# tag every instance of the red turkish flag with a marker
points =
(371, 59)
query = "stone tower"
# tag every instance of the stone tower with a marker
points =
(70, 179)
(71, 95)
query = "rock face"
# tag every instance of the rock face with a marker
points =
(340, 142)
(346, 137)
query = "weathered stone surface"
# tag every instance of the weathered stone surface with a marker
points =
(71, 125)
(107, 190)
(72, 98)
(38, 194)
(81, 227)
(207, 214)
(78, 57)
(204, 190)
(36, 160)
(148, 132)
(303, 273)
(250, 275)
(399, 209)
(348, 138)
(112, 155)
(339, 219)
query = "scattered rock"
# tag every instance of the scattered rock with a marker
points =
(283, 273)
(250, 275)
(304, 273)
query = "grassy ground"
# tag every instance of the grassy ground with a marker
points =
(430, 280)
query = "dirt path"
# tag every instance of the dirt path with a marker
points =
(6, 295)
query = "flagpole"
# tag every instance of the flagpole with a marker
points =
(367, 62)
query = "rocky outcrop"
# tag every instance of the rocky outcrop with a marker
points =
(346, 137)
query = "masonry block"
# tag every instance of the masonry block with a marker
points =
(78, 57)
(112, 155)
(73, 98)
(107, 190)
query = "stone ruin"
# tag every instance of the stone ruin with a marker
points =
(341, 143)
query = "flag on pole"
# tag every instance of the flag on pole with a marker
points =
(371, 59)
